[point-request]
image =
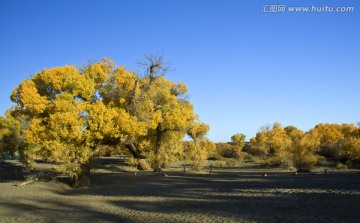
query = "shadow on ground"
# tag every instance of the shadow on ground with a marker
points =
(10, 171)
(237, 196)
(280, 197)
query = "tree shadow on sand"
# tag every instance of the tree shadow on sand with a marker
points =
(55, 210)
(10, 171)
(240, 196)
(235, 197)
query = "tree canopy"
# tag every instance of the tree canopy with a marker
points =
(72, 111)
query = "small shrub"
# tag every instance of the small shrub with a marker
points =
(132, 162)
(216, 157)
(232, 162)
(341, 166)
(305, 163)
(257, 159)
(272, 162)
(227, 150)
(220, 163)
(197, 165)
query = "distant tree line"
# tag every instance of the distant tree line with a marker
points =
(291, 147)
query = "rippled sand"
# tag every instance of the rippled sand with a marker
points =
(237, 195)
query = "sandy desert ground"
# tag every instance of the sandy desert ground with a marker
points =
(241, 194)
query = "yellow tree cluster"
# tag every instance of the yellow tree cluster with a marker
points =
(199, 149)
(9, 135)
(339, 142)
(291, 146)
(238, 141)
(272, 143)
(72, 111)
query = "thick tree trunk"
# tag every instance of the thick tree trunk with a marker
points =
(83, 180)
(143, 164)
(157, 148)
(25, 159)
(134, 151)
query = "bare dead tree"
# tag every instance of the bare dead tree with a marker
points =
(155, 65)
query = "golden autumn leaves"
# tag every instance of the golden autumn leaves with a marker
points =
(71, 111)
(293, 147)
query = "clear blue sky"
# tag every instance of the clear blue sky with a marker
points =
(244, 67)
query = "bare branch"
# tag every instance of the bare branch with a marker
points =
(155, 65)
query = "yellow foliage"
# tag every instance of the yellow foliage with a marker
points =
(9, 135)
(51, 82)
(287, 146)
(124, 79)
(327, 133)
(198, 130)
(72, 111)
(273, 142)
(353, 149)
(98, 72)
(27, 95)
